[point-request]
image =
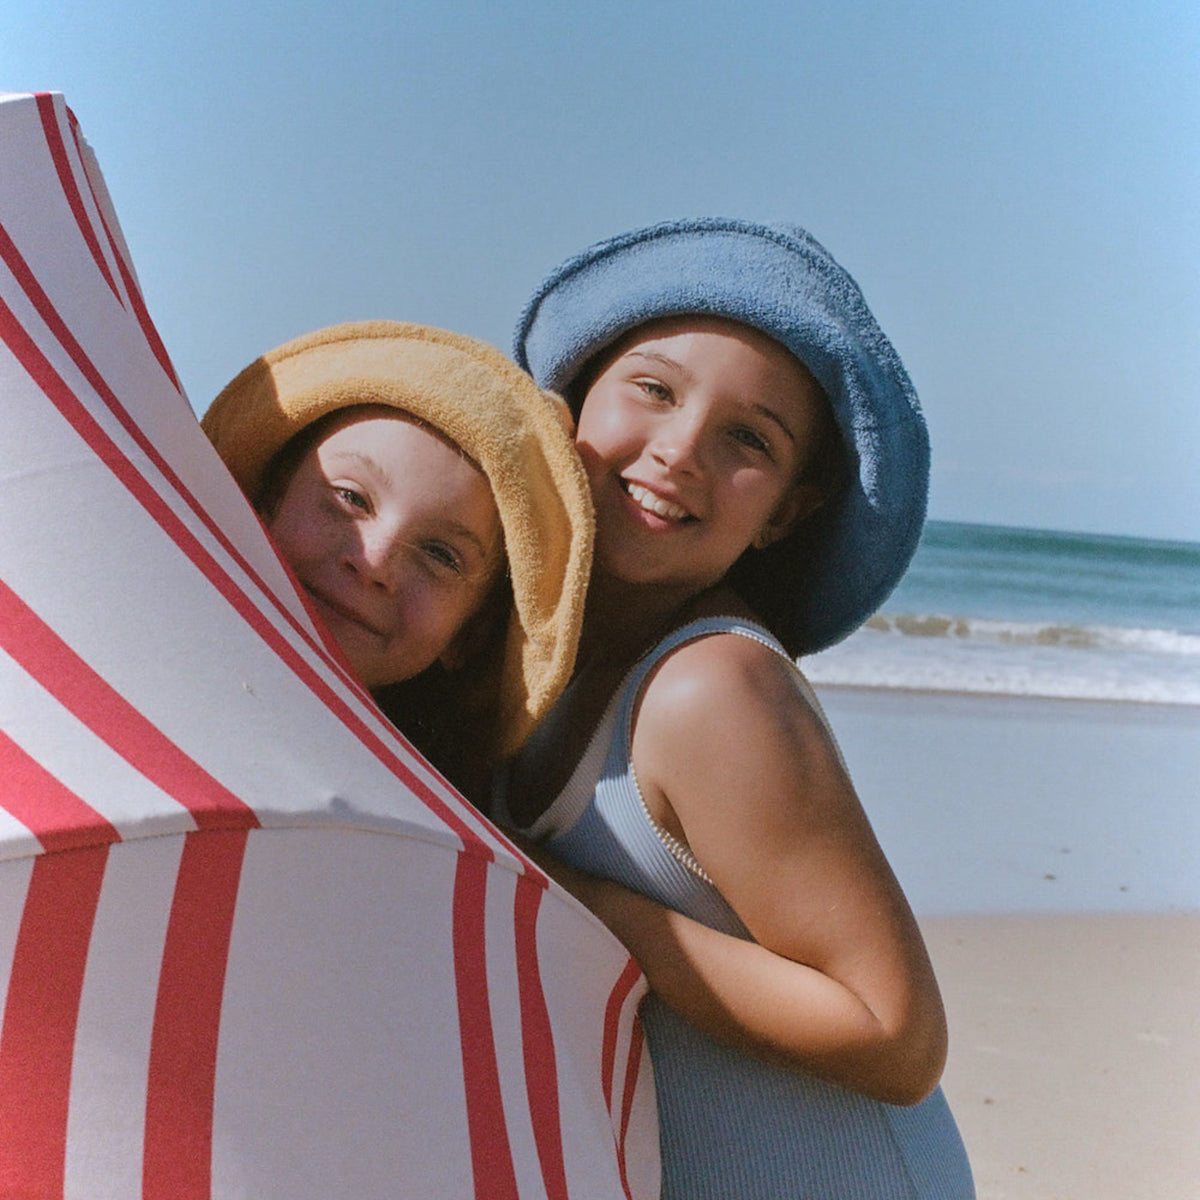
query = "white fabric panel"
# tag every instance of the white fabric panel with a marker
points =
(164, 677)
(116, 1013)
(339, 1038)
(85, 764)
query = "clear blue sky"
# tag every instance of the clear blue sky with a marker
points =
(1014, 185)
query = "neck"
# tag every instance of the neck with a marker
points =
(622, 620)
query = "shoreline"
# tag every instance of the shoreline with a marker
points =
(966, 693)
(1074, 1067)
(1069, 659)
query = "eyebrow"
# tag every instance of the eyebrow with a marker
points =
(456, 527)
(365, 460)
(762, 409)
(453, 525)
(771, 415)
(655, 356)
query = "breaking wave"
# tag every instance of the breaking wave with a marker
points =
(931, 651)
(1039, 633)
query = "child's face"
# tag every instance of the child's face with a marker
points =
(694, 437)
(395, 536)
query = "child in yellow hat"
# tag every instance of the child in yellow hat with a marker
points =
(427, 497)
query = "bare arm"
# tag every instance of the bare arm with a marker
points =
(730, 757)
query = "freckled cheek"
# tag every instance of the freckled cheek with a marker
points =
(755, 488)
(290, 548)
(305, 538)
(609, 432)
(421, 608)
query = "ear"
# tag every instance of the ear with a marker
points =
(801, 500)
(484, 627)
(467, 643)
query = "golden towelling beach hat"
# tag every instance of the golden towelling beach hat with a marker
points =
(497, 415)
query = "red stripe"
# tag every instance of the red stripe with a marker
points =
(632, 1067)
(58, 152)
(92, 700)
(45, 308)
(31, 357)
(38, 1039)
(491, 1155)
(541, 1070)
(181, 1082)
(55, 815)
(612, 1025)
(149, 332)
(56, 390)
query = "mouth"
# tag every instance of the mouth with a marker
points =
(654, 504)
(327, 606)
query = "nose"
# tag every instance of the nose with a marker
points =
(678, 441)
(374, 556)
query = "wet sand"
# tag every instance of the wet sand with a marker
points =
(1012, 804)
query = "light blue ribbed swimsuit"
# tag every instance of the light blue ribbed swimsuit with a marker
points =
(732, 1127)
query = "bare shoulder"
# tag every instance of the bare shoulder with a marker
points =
(718, 675)
(731, 695)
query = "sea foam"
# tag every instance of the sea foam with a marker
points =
(1033, 613)
(939, 652)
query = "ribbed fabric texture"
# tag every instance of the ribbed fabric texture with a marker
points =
(734, 1128)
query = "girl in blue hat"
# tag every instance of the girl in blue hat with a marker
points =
(759, 467)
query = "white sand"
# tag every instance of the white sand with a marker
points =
(1074, 1066)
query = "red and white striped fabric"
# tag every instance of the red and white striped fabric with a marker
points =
(250, 944)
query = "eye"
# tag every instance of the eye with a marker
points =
(352, 498)
(654, 389)
(751, 439)
(443, 556)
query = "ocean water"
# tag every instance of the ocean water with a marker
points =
(989, 609)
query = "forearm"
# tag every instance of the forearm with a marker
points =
(744, 994)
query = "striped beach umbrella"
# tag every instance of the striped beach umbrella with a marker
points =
(251, 944)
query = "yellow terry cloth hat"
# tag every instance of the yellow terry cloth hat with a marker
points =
(493, 410)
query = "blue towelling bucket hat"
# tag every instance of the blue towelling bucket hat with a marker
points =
(820, 583)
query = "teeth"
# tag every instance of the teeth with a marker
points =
(655, 504)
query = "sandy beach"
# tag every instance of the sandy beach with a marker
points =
(1074, 1068)
(1050, 849)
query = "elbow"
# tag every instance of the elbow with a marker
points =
(900, 1060)
(900, 1084)
(898, 1067)
(912, 1067)
(917, 1044)
(909, 1092)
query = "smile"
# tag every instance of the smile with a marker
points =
(328, 605)
(647, 500)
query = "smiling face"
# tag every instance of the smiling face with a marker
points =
(695, 436)
(394, 535)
